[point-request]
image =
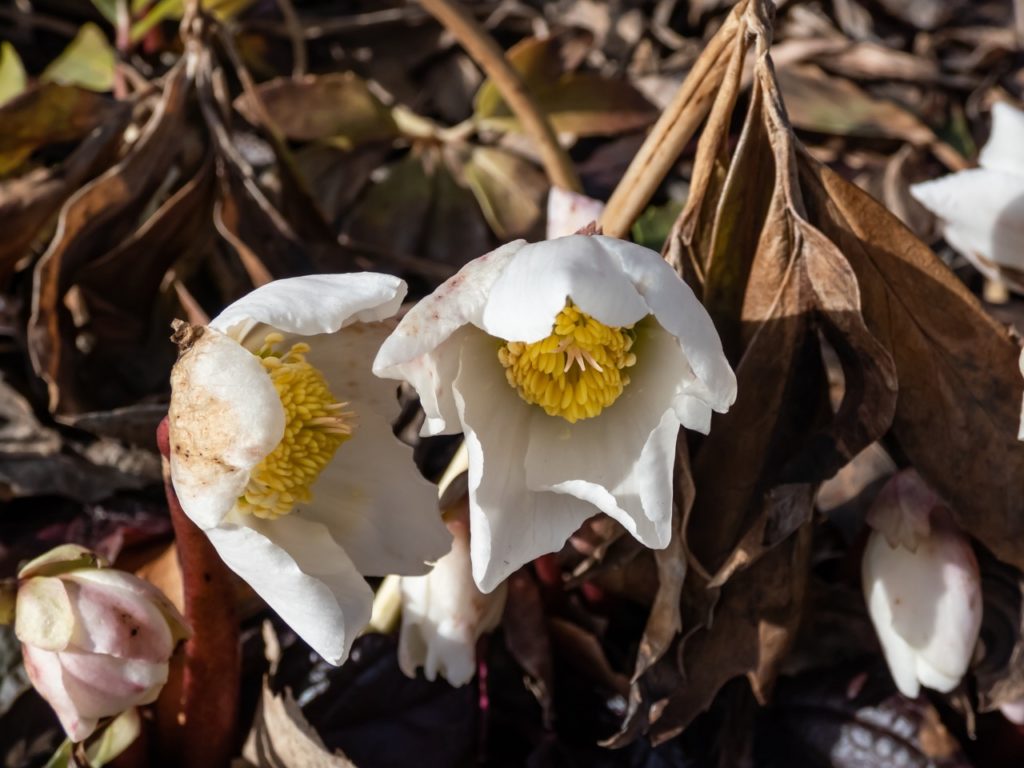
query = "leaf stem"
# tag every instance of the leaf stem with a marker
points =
(488, 55)
(673, 130)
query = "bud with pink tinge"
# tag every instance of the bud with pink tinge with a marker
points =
(922, 586)
(95, 640)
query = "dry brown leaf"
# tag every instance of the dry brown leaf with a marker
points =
(281, 737)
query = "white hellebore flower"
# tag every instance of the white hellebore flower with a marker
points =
(569, 364)
(922, 586)
(95, 640)
(982, 209)
(282, 451)
(444, 614)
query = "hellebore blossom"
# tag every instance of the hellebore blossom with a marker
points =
(922, 586)
(444, 614)
(569, 365)
(982, 209)
(95, 640)
(282, 451)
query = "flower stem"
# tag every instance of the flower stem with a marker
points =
(198, 715)
(488, 55)
(673, 130)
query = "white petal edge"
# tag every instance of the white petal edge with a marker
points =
(1004, 150)
(304, 575)
(371, 496)
(47, 676)
(982, 212)
(533, 288)
(510, 524)
(313, 304)
(680, 313)
(225, 416)
(423, 349)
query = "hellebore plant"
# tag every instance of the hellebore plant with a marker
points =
(444, 614)
(95, 640)
(282, 451)
(922, 586)
(982, 209)
(570, 365)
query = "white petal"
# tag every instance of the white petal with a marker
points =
(622, 460)
(314, 304)
(510, 524)
(678, 310)
(1004, 150)
(569, 212)
(47, 676)
(443, 615)
(533, 288)
(934, 678)
(225, 417)
(901, 658)
(44, 616)
(299, 570)
(423, 349)
(983, 214)
(371, 496)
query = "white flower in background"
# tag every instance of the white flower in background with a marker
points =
(95, 640)
(444, 614)
(282, 451)
(569, 365)
(922, 586)
(569, 212)
(982, 209)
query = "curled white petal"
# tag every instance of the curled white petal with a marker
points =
(424, 349)
(303, 574)
(314, 304)
(533, 288)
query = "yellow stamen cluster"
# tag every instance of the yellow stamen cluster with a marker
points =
(315, 426)
(577, 371)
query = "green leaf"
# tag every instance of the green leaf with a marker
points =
(48, 114)
(12, 73)
(88, 62)
(580, 103)
(337, 107)
(652, 228)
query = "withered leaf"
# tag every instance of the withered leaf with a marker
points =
(580, 103)
(959, 384)
(509, 189)
(336, 106)
(49, 114)
(94, 220)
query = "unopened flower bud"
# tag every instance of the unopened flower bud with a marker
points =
(444, 614)
(922, 586)
(95, 640)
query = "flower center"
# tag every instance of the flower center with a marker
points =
(577, 371)
(316, 424)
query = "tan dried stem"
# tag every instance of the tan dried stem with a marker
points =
(673, 130)
(488, 55)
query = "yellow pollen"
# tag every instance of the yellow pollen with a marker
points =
(577, 371)
(315, 426)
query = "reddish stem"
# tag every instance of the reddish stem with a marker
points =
(199, 716)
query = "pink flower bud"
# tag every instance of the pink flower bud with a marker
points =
(95, 640)
(922, 586)
(444, 614)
